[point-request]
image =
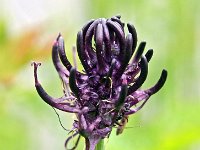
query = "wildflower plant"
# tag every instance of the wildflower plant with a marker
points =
(107, 91)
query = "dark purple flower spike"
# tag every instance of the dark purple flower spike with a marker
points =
(108, 88)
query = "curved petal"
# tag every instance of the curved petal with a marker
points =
(102, 68)
(159, 84)
(149, 55)
(120, 35)
(143, 75)
(139, 52)
(132, 30)
(50, 100)
(61, 50)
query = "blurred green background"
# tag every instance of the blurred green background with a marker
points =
(170, 119)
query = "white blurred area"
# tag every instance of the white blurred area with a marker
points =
(22, 14)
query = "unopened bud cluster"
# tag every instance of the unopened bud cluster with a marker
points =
(108, 89)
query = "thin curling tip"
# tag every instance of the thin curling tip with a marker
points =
(35, 64)
(118, 16)
(59, 35)
(163, 77)
(149, 54)
(143, 43)
(35, 71)
(139, 52)
(159, 84)
(164, 72)
(132, 30)
(60, 38)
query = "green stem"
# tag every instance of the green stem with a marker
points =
(100, 145)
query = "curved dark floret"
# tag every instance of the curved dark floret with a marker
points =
(108, 88)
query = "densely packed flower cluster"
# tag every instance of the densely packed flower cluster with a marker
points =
(107, 91)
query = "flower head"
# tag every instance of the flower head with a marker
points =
(108, 88)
